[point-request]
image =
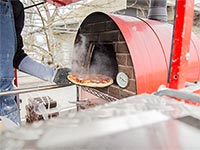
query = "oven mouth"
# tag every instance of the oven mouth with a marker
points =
(101, 48)
(102, 59)
(99, 58)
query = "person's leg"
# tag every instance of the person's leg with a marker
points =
(8, 106)
(9, 109)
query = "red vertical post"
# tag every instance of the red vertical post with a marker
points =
(181, 43)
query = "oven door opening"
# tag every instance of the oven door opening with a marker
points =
(103, 60)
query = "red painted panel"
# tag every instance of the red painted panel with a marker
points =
(149, 44)
(150, 51)
(196, 63)
(146, 51)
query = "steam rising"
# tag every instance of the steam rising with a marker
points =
(79, 54)
(103, 59)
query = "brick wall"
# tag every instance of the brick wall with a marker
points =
(106, 31)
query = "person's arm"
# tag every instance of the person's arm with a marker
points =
(18, 12)
(23, 62)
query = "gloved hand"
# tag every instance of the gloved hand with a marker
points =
(61, 76)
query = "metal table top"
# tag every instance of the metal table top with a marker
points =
(139, 122)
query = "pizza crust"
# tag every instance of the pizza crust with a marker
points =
(90, 80)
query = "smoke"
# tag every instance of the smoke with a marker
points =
(79, 54)
(103, 58)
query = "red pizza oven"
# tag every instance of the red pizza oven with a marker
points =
(138, 48)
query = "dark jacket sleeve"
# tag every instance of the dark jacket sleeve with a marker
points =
(18, 11)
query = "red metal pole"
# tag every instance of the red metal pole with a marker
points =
(181, 43)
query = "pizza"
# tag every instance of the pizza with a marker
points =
(90, 80)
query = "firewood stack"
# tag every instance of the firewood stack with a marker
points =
(48, 102)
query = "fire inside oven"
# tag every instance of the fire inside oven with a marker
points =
(101, 48)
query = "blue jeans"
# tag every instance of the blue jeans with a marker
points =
(8, 106)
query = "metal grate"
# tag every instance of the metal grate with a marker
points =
(100, 94)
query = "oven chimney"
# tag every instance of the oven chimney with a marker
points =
(158, 10)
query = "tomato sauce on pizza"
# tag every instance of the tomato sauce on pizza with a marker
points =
(91, 80)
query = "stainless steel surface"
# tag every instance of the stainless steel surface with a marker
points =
(82, 102)
(31, 89)
(100, 94)
(138, 122)
(168, 135)
(178, 94)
